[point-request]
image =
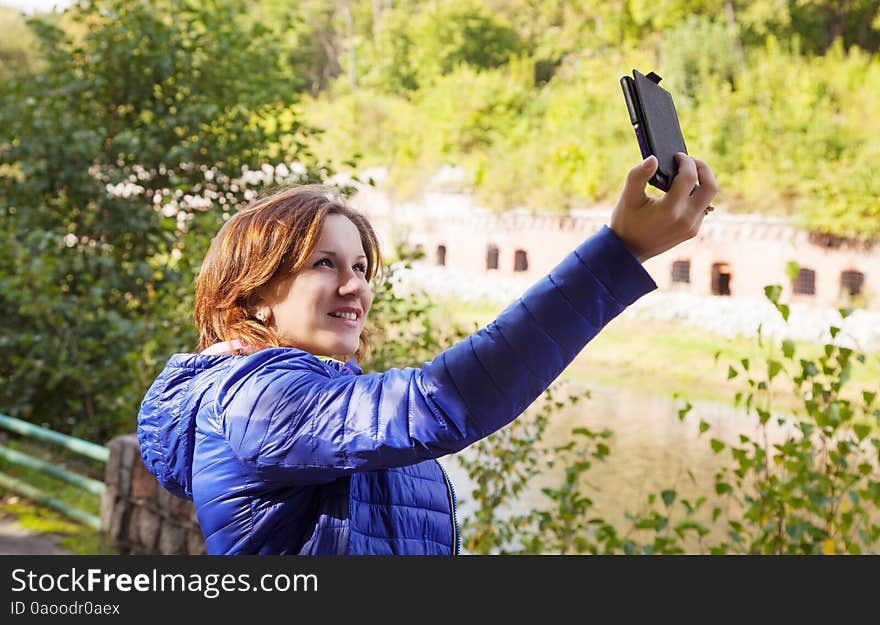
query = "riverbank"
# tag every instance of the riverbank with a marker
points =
(669, 357)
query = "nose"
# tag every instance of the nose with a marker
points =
(351, 283)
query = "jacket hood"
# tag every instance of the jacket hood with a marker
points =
(167, 417)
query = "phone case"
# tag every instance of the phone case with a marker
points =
(655, 121)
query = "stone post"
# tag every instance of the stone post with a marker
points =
(138, 516)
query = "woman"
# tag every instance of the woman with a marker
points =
(287, 448)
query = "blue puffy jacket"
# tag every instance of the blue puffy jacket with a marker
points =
(286, 453)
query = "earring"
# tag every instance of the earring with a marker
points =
(262, 315)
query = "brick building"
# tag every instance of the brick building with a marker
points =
(734, 254)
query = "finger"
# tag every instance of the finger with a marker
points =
(684, 180)
(707, 187)
(636, 180)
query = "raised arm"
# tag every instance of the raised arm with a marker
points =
(287, 416)
(282, 411)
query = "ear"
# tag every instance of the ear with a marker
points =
(258, 306)
(263, 313)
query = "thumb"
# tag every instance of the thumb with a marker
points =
(637, 178)
(647, 168)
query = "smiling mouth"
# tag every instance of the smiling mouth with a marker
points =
(344, 315)
(349, 320)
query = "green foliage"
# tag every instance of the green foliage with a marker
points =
(17, 45)
(404, 330)
(697, 50)
(557, 154)
(412, 50)
(462, 113)
(307, 39)
(782, 108)
(115, 166)
(504, 464)
(807, 482)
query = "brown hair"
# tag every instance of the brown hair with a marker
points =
(272, 236)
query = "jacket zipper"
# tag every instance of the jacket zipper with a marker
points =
(456, 535)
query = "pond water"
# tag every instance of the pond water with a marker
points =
(651, 449)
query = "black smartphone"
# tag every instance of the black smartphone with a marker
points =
(653, 116)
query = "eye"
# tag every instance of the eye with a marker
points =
(362, 267)
(325, 262)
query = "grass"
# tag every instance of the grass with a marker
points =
(67, 533)
(670, 359)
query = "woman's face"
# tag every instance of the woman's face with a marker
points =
(323, 308)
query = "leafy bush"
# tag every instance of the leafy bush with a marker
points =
(414, 48)
(807, 482)
(116, 165)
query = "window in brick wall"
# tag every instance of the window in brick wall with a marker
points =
(492, 257)
(805, 283)
(681, 271)
(851, 282)
(441, 256)
(520, 260)
(721, 278)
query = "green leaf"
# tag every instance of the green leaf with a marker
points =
(861, 431)
(809, 369)
(772, 292)
(784, 310)
(682, 413)
(745, 364)
(731, 372)
(668, 497)
(703, 426)
(788, 348)
(773, 368)
(792, 269)
(717, 445)
(834, 330)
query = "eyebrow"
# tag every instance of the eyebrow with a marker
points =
(328, 252)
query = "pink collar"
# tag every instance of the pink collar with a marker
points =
(224, 348)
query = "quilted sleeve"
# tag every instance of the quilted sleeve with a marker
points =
(288, 419)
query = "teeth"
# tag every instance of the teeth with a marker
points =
(344, 315)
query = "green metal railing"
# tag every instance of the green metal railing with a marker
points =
(70, 443)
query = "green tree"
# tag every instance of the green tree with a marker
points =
(17, 44)
(413, 49)
(311, 42)
(116, 164)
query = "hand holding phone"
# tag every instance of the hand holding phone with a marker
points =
(655, 121)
